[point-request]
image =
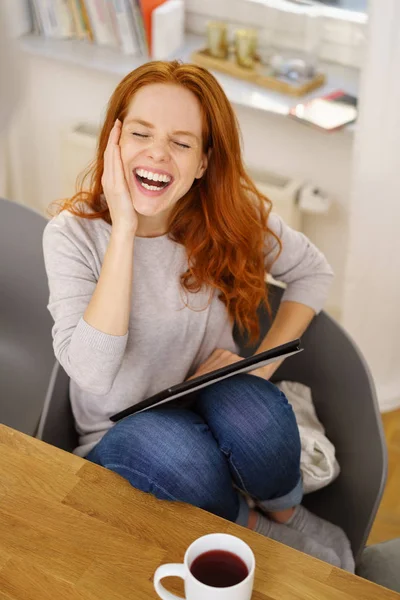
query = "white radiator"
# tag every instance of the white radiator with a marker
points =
(290, 197)
(283, 193)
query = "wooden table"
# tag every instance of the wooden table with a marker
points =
(70, 530)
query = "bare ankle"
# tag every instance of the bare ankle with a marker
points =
(251, 523)
(281, 516)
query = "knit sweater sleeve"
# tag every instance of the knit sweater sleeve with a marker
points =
(91, 357)
(300, 265)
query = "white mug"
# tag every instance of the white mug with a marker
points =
(194, 589)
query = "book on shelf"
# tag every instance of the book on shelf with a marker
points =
(329, 112)
(147, 7)
(53, 18)
(82, 30)
(41, 17)
(115, 23)
(102, 24)
(36, 21)
(124, 25)
(139, 26)
(64, 17)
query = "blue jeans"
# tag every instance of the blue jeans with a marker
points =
(241, 431)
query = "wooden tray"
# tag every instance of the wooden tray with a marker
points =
(259, 75)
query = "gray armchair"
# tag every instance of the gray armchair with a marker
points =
(35, 388)
(26, 349)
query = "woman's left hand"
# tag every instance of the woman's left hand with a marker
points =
(222, 358)
(218, 359)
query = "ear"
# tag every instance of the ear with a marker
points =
(203, 165)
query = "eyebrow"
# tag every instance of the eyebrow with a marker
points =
(150, 126)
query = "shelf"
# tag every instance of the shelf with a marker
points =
(110, 61)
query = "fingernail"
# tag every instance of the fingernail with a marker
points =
(117, 122)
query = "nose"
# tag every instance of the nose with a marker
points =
(158, 151)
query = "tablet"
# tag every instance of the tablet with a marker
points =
(241, 366)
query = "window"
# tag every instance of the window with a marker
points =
(336, 6)
(355, 5)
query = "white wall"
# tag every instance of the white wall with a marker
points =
(57, 96)
(60, 95)
(371, 301)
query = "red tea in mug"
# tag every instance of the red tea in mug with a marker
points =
(219, 568)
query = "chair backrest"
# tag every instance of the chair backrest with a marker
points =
(57, 426)
(345, 401)
(344, 397)
(26, 352)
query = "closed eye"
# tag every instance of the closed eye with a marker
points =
(143, 136)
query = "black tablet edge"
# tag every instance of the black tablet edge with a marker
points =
(187, 386)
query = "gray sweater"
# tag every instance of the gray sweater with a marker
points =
(166, 341)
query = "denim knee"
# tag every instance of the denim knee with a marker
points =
(171, 454)
(256, 428)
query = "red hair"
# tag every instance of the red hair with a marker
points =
(222, 221)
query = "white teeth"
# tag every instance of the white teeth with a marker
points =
(153, 176)
(153, 188)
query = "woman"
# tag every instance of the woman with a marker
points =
(147, 271)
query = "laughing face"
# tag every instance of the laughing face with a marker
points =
(161, 150)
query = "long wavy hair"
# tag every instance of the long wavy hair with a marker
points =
(222, 221)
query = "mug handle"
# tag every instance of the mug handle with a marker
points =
(171, 570)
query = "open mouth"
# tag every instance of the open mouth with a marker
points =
(153, 182)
